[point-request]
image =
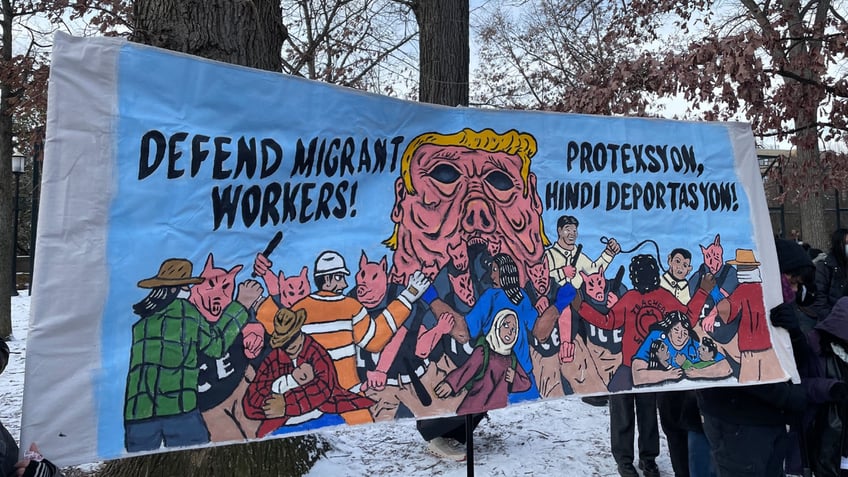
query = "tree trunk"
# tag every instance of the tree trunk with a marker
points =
(812, 205)
(813, 225)
(239, 32)
(804, 53)
(249, 34)
(443, 51)
(269, 458)
(7, 247)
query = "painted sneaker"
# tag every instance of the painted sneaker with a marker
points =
(446, 449)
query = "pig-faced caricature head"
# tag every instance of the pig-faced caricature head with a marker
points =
(595, 284)
(462, 287)
(466, 189)
(540, 276)
(713, 255)
(213, 295)
(459, 256)
(294, 288)
(371, 281)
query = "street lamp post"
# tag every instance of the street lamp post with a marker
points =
(18, 163)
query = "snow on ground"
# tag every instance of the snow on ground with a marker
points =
(559, 437)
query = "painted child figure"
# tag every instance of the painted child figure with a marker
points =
(707, 353)
(659, 357)
(492, 371)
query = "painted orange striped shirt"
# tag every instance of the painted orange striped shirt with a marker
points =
(339, 323)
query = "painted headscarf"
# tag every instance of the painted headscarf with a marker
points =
(494, 338)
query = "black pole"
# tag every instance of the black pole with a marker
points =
(15, 235)
(469, 445)
(33, 218)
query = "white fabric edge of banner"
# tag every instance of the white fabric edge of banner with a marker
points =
(77, 186)
(748, 172)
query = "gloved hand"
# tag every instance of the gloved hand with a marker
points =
(783, 316)
(418, 284)
(838, 392)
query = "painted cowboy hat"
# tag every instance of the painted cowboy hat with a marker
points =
(287, 324)
(173, 272)
(744, 257)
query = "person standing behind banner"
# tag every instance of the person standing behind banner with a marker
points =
(746, 426)
(832, 274)
(827, 437)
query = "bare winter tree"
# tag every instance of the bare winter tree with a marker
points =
(535, 54)
(363, 44)
(242, 33)
(8, 87)
(779, 65)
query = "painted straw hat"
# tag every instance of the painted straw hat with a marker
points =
(744, 257)
(173, 272)
(287, 324)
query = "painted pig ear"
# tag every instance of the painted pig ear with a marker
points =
(234, 271)
(210, 264)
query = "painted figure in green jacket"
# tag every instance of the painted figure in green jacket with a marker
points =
(161, 398)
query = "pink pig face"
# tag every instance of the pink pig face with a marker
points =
(465, 196)
(461, 285)
(596, 284)
(294, 288)
(459, 256)
(713, 255)
(371, 281)
(540, 277)
(215, 293)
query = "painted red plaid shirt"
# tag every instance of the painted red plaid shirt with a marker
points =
(323, 392)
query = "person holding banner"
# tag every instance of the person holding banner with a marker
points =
(637, 310)
(746, 426)
(827, 442)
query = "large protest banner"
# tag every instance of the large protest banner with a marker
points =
(228, 254)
